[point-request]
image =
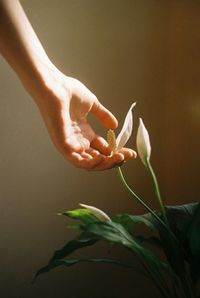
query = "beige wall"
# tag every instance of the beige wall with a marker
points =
(123, 50)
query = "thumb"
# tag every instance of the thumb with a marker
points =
(103, 115)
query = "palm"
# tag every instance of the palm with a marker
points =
(80, 133)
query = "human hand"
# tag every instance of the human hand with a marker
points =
(65, 103)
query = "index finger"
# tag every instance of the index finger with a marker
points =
(105, 117)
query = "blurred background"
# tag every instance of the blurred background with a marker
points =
(124, 51)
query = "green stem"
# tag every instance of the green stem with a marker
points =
(157, 191)
(119, 171)
(159, 220)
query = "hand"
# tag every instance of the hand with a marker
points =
(64, 103)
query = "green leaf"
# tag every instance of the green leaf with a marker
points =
(193, 237)
(173, 251)
(193, 231)
(71, 262)
(72, 246)
(130, 222)
(84, 215)
(185, 223)
(69, 248)
(116, 233)
(170, 246)
(179, 218)
(166, 241)
(155, 241)
(176, 248)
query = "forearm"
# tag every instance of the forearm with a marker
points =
(20, 46)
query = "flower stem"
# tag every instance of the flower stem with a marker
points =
(121, 176)
(157, 191)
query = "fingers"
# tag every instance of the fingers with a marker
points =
(98, 157)
(105, 117)
(128, 153)
(116, 159)
(110, 162)
(80, 160)
(93, 160)
(96, 161)
(92, 152)
(101, 145)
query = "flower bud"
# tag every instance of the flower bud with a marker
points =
(102, 216)
(143, 143)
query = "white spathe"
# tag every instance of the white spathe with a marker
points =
(126, 131)
(102, 216)
(143, 143)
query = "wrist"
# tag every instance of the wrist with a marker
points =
(47, 86)
(35, 76)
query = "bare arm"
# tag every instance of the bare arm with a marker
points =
(64, 102)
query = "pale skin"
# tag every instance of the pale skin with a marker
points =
(64, 102)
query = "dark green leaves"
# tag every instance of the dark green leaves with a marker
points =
(67, 263)
(193, 237)
(130, 222)
(69, 248)
(109, 231)
(116, 233)
(184, 222)
(193, 231)
(178, 246)
(180, 217)
(181, 244)
(72, 246)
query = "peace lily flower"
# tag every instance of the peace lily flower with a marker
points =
(143, 143)
(144, 150)
(124, 135)
(102, 216)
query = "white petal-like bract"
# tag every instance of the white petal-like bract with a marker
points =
(126, 131)
(143, 143)
(102, 216)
